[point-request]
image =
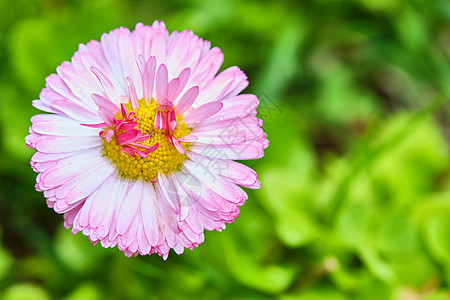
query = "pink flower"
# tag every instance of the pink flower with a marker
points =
(138, 146)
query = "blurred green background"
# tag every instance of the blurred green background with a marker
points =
(355, 197)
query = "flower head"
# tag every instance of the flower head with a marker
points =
(138, 145)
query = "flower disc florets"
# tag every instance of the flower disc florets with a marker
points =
(166, 158)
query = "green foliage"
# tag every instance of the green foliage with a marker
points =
(355, 197)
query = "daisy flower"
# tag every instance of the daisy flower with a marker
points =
(138, 145)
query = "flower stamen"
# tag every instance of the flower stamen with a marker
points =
(144, 141)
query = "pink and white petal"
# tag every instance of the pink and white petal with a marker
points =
(101, 201)
(39, 104)
(161, 83)
(170, 191)
(50, 124)
(252, 149)
(207, 67)
(59, 89)
(179, 249)
(227, 84)
(203, 112)
(118, 192)
(129, 207)
(76, 112)
(105, 103)
(128, 58)
(239, 106)
(214, 182)
(144, 245)
(234, 171)
(81, 221)
(111, 51)
(187, 100)
(46, 157)
(127, 238)
(58, 144)
(168, 220)
(159, 43)
(183, 78)
(62, 206)
(66, 168)
(81, 85)
(149, 214)
(183, 51)
(90, 181)
(70, 216)
(148, 78)
(110, 89)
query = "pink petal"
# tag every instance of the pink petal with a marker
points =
(107, 85)
(129, 136)
(148, 213)
(129, 150)
(161, 83)
(152, 149)
(203, 112)
(183, 79)
(105, 103)
(67, 144)
(101, 202)
(106, 116)
(188, 138)
(109, 135)
(129, 207)
(58, 125)
(132, 93)
(172, 88)
(187, 100)
(83, 187)
(178, 145)
(159, 121)
(148, 79)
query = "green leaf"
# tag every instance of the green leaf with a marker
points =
(397, 235)
(352, 224)
(85, 291)
(318, 293)
(436, 230)
(24, 292)
(377, 266)
(268, 278)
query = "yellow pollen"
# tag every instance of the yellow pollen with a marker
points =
(165, 159)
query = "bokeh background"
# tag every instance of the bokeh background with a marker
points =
(355, 197)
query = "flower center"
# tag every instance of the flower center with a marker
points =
(132, 147)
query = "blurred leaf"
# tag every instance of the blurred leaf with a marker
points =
(271, 279)
(379, 268)
(411, 27)
(6, 262)
(397, 235)
(291, 185)
(387, 6)
(14, 122)
(436, 233)
(353, 223)
(85, 291)
(410, 167)
(282, 64)
(24, 291)
(319, 293)
(438, 295)
(340, 101)
(34, 53)
(75, 251)
(296, 229)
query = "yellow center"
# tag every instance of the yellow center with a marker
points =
(165, 159)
